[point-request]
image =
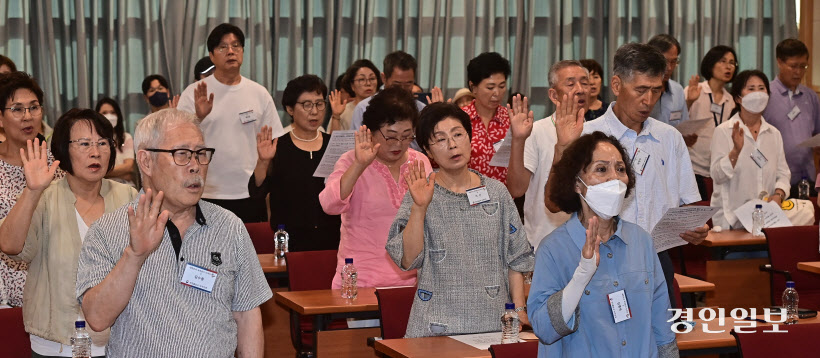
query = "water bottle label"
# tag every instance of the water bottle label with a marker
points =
(199, 278)
(620, 308)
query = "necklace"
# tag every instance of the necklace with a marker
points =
(305, 140)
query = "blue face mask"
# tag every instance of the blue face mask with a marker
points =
(158, 99)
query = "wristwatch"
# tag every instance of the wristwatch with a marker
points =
(519, 309)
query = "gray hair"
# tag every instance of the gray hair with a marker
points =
(552, 76)
(639, 58)
(150, 131)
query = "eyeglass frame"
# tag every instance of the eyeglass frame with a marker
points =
(734, 64)
(312, 104)
(448, 138)
(399, 140)
(110, 142)
(23, 111)
(362, 80)
(238, 47)
(190, 154)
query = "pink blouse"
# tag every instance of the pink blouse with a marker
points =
(367, 214)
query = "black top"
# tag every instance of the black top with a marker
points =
(294, 197)
(592, 114)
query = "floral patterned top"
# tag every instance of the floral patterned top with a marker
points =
(486, 140)
(13, 273)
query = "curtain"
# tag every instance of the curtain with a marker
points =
(81, 50)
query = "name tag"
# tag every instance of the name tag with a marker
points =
(639, 161)
(199, 278)
(478, 195)
(759, 158)
(716, 108)
(794, 112)
(247, 117)
(497, 145)
(675, 116)
(620, 308)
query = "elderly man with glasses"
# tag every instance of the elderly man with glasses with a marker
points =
(172, 275)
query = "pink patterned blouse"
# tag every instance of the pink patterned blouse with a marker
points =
(484, 138)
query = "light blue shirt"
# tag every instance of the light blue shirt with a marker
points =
(628, 262)
(667, 181)
(672, 102)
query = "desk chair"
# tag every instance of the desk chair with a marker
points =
(394, 309)
(262, 237)
(795, 342)
(14, 339)
(515, 350)
(787, 247)
(309, 270)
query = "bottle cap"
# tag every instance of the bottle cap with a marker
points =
(79, 324)
(348, 260)
(789, 284)
(758, 206)
(509, 306)
(280, 227)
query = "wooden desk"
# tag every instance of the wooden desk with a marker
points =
(272, 266)
(813, 267)
(428, 347)
(688, 284)
(699, 342)
(732, 238)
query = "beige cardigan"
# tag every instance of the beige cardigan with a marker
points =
(52, 250)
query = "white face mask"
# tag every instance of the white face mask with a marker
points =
(755, 102)
(605, 199)
(111, 118)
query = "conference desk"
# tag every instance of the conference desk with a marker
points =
(689, 284)
(272, 266)
(813, 267)
(725, 241)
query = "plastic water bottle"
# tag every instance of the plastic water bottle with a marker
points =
(281, 241)
(757, 220)
(80, 341)
(509, 324)
(790, 299)
(803, 189)
(349, 275)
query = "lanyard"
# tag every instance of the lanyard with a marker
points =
(714, 115)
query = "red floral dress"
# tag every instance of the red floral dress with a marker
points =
(485, 138)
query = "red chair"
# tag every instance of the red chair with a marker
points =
(515, 350)
(394, 309)
(794, 342)
(787, 247)
(262, 237)
(14, 339)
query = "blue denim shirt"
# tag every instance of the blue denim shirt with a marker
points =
(628, 262)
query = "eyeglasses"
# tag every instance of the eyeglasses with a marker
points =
(84, 145)
(19, 111)
(730, 63)
(361, 81)
(800, 67)
(235, 46)
(459, 137)
(673, 62)
(183, 156)
(308, 105)
(394, 140)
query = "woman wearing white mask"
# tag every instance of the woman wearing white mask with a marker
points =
(596, 258)
(123, 171)
(748, 161)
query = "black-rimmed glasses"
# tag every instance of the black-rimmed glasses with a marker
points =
(183, 156)
(392, 140)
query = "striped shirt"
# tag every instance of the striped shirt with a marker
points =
(164, 317)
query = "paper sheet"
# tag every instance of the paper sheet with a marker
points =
(502, 155)
(676, 221)
(691, 126)
(340, 143)
(811, 142)
(480, 340)
(773, 215)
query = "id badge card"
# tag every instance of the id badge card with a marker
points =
(247, 117)
(675, 116)
(199, 278)
(716, 108)
(759, 158)
(639, 160)
(794, 112)
(619, 306)
(478, 195)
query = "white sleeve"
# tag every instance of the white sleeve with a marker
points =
(575, 287)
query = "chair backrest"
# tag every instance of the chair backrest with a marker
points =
(262, 237)
(678, 296)
(787, 247)
(515, 350)
(14, 339)
(311, 270)
(794, 342)
(394, 308)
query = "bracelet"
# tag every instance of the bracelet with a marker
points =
(521, 308)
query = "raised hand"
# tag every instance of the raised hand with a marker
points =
(147, 224)
(203, 103)
(737, 136)
(569, 120)
(337, 106)
(365, 149)
(593, 243)
(693, 91)
(437, 96)
(265, 145)
(420, 187)
(35, 165)
(521, 118)
(174, 102)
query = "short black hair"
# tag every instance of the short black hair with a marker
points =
(398, 59)
(790, 48)
(712, 57)
(575, 160)
(639, 58)
(350, 75)
(302, 84)
(437, 112)
(119, 129)
(664, 42)
(220, 31)
(11, 82)
(592, 66)
(146, 83)
(8, 62)
(485, 65)
(61, 138)
(202, 66)
(339, 85)
(740, 81)
(389, 106)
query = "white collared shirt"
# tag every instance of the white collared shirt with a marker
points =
(700, 152)
(733, 187)
(667, 180)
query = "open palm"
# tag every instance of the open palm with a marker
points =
(35, 165)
